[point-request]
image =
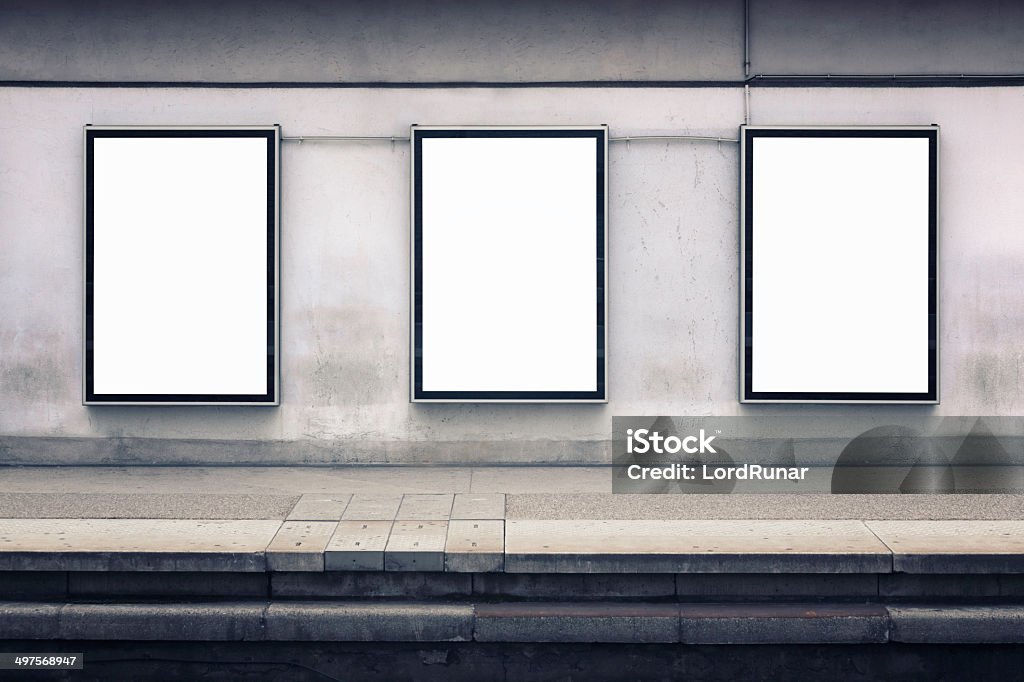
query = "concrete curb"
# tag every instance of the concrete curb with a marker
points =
(452, 621)
(508, 546)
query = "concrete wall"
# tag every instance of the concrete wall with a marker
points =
(673, 272)
(673, 224)
(494, 40)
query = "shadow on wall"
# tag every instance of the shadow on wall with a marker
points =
(933, 455)
(899, 459)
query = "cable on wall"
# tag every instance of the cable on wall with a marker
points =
(882, 78)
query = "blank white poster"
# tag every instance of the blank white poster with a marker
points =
(840, 264)
(510, 269)
(180, 265)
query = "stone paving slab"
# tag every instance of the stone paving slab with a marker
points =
(369, 622)
(646, 623)
(319, 507)
(425, 507)
(360, 620)
(300, 546)
(416, 546)
(201, 622)
(587, 546)
(953, 546)
(30, 620)
(148, 505)
(480, 506)
(693, 546)
(372, 507)
(357, 546)
(475, 546)
(783, 624)
(957, 624)
(134, 544)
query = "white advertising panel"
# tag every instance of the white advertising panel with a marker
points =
(508, 264)
(839, 264)
(181, 265)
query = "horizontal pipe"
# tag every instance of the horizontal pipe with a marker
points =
(389, 138)
(764, 79)
(889, 76)
(344, 138)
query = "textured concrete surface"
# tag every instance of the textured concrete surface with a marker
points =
(534, 493)
(956, 587)
(210, 622)
(357, 546)
(27, 620)
(384, 481)
(577, 622)
(525, 546)
(545, 532)
(684, 587)
(479, 506)
(368, 622)
(805, 36)
(33, 585)
(731, 587)
(84, 585)
(493, 41)
(372, 507)
(115, 661)
(372, 585)
(475, 546)
(380, 41)
(946, 624)
(693, 546)
(953, 546)
(523, 621)
(560, 480)
(783, 624)
(672, 318)
(300, 546)
(130, 544)
(147, 505)
(425, 507)
(737, 506)
(50, 499)
(582, 586)
(319, 507)
(416, 546)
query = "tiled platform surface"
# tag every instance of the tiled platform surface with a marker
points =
(469, 532)
(425, 554)
(478, 520)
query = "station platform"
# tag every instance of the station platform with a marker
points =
(493, 554)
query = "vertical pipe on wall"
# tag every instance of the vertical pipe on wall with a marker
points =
(746, 39)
